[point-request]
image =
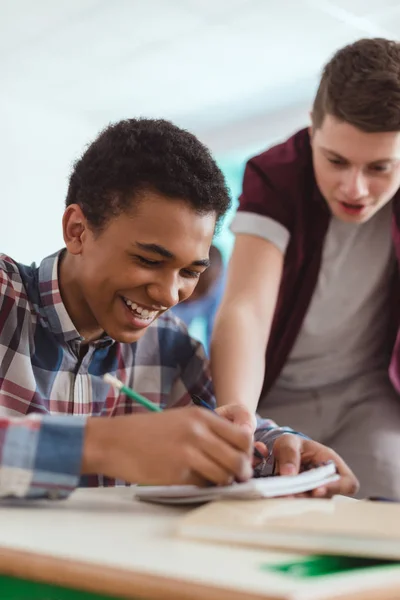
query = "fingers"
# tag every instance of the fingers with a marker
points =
(246, 419)
(287, 453)
(347, 485)
(236, 464)
(209, 471)
(238, 437)
(260, 450)
(260, 453)
(221, 450)
(223, 471)
(321, 492)
(316, 453)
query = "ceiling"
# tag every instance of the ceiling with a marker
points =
(205, 64)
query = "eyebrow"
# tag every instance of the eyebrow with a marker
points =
(161, 251)
(374, 162)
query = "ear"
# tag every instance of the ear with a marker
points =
(75, 228)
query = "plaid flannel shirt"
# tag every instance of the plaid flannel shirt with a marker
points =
(47, 390)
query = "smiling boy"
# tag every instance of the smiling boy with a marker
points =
(141, 210)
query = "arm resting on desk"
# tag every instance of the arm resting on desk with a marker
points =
(40, 455)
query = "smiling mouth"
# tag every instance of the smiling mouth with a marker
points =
(138, 311)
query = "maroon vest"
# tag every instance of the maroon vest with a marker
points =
(280, 184)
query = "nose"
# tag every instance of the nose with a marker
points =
(165, 291)
(354, 184)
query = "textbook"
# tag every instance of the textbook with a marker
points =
(352, 528)
(263, 487)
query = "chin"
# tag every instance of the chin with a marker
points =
(122, 327)
(342, 215)
(349, 219)
(356, 219)
(124, 335)
(127, 337)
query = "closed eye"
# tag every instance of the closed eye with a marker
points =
(147, 262)
(191, 274)
(337, 162)
(379, 168)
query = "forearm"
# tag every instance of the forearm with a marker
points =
(238, 358)
(45, 456)
(40, 455)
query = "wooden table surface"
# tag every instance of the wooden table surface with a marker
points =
(102, 541)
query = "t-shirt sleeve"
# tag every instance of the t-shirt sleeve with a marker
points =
(264, 210)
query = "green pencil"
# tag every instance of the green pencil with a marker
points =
(118, 385)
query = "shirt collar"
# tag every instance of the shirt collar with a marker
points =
(52, 305)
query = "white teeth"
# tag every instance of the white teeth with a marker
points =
(143, 312)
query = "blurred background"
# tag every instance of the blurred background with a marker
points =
(240, 74)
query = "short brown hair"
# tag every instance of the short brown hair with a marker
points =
(361, 85)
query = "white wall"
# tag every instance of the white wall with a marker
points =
(256, 132)
(217, 65)
(37, 149)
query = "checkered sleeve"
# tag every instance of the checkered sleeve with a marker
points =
(40, 456)
(194, 375)
(268, 432)
(8, 294)
(197, 375)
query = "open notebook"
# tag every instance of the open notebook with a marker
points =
(339, 526)
(264, 487)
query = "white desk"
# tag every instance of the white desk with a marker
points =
(101, 540)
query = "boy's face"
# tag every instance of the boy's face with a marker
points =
(356, 172)
(140, 265)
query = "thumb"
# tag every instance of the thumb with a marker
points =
(246, 419)
(287, 451)
(239, 415)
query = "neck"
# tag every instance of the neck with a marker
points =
(74, 300)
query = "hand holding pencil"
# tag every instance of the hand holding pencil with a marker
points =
(177, 446)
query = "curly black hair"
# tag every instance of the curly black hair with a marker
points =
(138, 155)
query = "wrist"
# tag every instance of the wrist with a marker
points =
(231, 401)
(96, 446)
(113, 446)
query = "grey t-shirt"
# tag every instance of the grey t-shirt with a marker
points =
(345, 328)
